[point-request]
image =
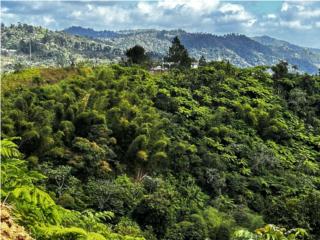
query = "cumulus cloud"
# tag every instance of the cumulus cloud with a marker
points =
(47, 20)
(300, 15)
(197, 6)
(286, 20)
(309, 13)
(271, 16)
(236, 13)
(285, 7)
(296, 24)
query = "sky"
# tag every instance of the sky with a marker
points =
(295, 21)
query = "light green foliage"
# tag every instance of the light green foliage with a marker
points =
(35, 205)
(185, 154)
(14, 171)
(270, 232)
(37, 211)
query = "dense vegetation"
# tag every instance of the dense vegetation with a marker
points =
(115, 152)
(50, 48)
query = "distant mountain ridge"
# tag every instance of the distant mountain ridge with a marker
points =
(85, 44)
(89, 32)
(238, 49)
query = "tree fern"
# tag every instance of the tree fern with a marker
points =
(35, 206)
(9, 149)
(60, 233)
(14, 172)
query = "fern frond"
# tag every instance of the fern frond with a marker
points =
(8, 149)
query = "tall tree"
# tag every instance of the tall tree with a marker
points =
(178, 54)
(136, 54)
(280, 70)
(202, 61)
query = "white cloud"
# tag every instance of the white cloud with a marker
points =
(196, 6)
(216, 16)
(4, 10)
(145, 8)
(310, 13)
(236, 13)
(271, 16)
(103, 15)
(296, 24)
(285, 7)
(76, 13)
(301, 15)
(231, 8)
(47, 20)
(89, 7)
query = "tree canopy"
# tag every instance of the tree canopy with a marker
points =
(117, 152)
(136, 54)
(178, 54)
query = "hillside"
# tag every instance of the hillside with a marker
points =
(114, 152)
(238, 49)
(77, 44)
(50, 48)
(302, 57)
(88, 32)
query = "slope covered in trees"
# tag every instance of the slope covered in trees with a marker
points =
(115, 152)
(77, 44)
(238, 49)
(29, 45)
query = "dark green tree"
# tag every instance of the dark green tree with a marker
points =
(280, 70)
(178, 54)
(136, 55)
(202, 61)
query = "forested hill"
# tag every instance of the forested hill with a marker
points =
(88, 32)
(238, 49)
(77, 44)
(37, 46)
(112, 152)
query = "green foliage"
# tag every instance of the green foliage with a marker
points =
(202, 61)
(186, 154)
(35, 206)
(271, 232)
(35, 209)
(14, 171)
(136, 55)
(178, 54)
(280, 70)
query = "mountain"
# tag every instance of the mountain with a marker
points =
(88, 32)
(32, 45)
(305, 58)
(85, 44)
(238, 49)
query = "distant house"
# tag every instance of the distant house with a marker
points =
(165, 66)
(8, 52)
(158, 69)
(194, 65)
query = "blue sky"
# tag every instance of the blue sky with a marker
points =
(295, 21)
